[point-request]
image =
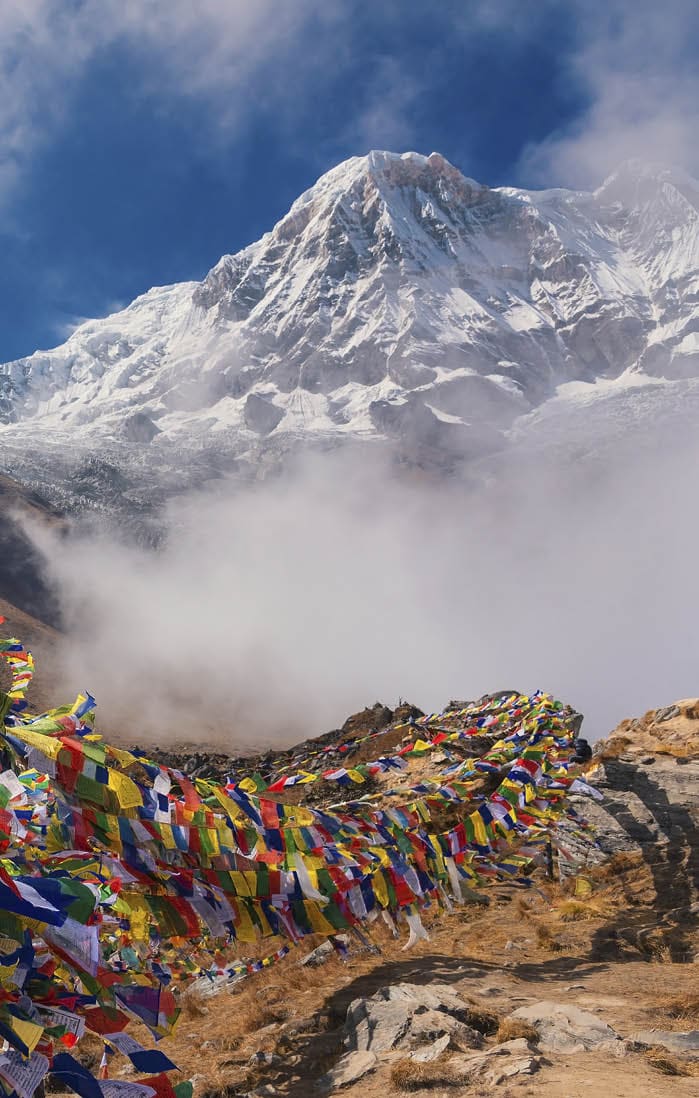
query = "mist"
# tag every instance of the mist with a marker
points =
(635, 63)
(275, 610)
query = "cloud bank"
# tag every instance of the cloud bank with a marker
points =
(274, 611)
(629, 64)
(634, 63)
(229, 54)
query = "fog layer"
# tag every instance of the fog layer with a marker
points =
(273, 611)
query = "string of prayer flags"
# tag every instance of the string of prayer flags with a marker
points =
(122, 879)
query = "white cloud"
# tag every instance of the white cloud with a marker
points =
(385, 121)
(37, 54)
(633, 62)
(65, 325)
(274, 610)
(636, 63)
(233, 54)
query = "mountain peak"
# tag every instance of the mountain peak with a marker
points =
(383, 169)
(382, 162)
(409, 165)
(399, 301)
(636, 180)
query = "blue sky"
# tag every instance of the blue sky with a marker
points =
(142, 139)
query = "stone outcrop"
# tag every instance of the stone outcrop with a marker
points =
(647, 771)
(565, 1028)
(409, 1016)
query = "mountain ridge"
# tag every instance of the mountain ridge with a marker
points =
(397, 302)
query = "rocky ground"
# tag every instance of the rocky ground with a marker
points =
(516, 996)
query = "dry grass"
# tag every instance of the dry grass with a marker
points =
(224, 1091)
(409, 1075)
(624, 882)
(613, 748)
(572, 911)
(662, 1061)
(546, 939)
(510, 1029)
(684, 1008)
(618, 866)
(265, 1013)
(227, 1044)
(478, 1017)
(650, 943)
(193, 1006)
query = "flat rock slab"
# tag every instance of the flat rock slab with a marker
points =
(318, 956)
(430, 1025)
(407, 1015)
(565, 1028)
(433, 1051)
(685, 1044)
(376, 1026)
(598, 1001)
(490, 991)
(349, 1069)
(502, 1062)
(515, 1065)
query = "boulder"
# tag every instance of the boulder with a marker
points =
(318, 956)
(497, 1064)
(565, 1028)
(433, 1025)
(376, 1026)
(433, 1051)
(408, 1015)
(684, 1044)
(374, 717)
(348, 1070)
(261, 415)
(432, 996)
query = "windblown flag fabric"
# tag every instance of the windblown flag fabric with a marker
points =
(121, 879)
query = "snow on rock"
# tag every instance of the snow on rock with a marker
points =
(397, 300)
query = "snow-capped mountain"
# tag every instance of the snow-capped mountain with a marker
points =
(397, 300)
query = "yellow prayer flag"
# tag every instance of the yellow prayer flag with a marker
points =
(244, 929)
(303, 816)
(316, 918)
(480, 833)
(247, 785)
(47, 744)
(380, 889)
(231, 808)
(127, 792)
(27, 1032)
(239, 882)
(167, 836)
(421, 745)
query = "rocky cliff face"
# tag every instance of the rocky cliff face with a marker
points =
(22, 582)
(648, 773)
(648, 769)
